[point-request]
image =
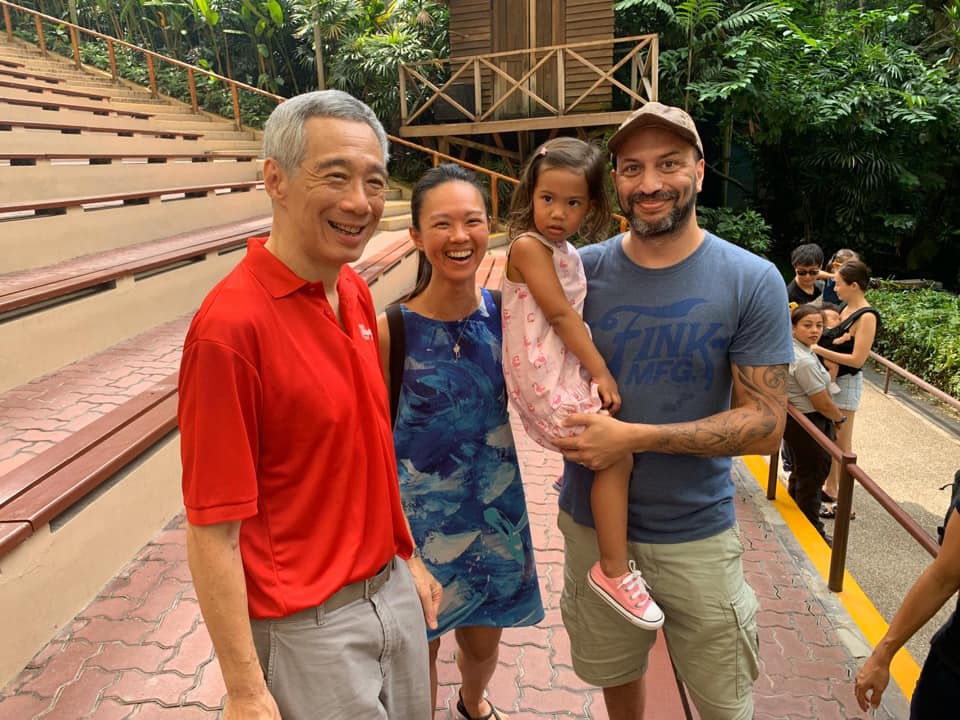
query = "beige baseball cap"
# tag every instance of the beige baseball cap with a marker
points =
(655, 114)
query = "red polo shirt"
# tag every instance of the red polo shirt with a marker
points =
(284, 424)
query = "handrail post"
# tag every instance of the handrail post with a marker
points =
(436, 159)
(841, 527)
(477, 89)
(773, 475)
(7, 22)
(113, 61)
(76, 46)
(192, 84)
(236, 106)
(561, 82)
(40, 38)
(495, 199)
(886, 382)
(152, 75)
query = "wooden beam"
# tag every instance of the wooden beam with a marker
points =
(517, 125)
(483, 147)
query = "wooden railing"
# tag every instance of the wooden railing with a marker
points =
(541, 75)
(236, 88)
(150, 58)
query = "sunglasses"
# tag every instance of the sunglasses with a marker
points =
(801, 273)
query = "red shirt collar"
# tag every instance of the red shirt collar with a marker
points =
(277, 278)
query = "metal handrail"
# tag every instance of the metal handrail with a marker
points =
(892, 367)
(235, 88)
(849, 471)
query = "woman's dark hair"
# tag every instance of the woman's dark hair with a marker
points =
(431, 179)
(565, 153)
(855, 271)
(802, 311)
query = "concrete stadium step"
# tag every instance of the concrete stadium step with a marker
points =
(79, 229)
(47, 180)
(57, 314)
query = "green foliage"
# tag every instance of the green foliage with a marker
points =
(920, 332)
(849, 117)
(745, 228)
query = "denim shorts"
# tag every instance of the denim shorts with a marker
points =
(851, 390)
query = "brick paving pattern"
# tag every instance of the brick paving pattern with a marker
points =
(140, 649)
(44, 411)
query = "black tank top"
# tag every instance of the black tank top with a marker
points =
(829, 334)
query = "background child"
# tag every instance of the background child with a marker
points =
(830, 279)
(551, 365)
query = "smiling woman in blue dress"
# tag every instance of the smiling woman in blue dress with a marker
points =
(459, 476)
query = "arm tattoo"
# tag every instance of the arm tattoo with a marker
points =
(752, 424)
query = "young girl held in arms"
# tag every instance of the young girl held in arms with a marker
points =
(551, 365)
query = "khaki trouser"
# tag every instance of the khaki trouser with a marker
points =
(710, 623)
(366, 660)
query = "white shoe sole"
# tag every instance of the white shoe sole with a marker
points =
(633, 619)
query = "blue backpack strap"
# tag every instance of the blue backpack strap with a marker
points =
(398, 351)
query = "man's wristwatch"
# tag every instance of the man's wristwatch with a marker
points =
(841, 421)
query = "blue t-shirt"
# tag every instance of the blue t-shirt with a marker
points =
(669, 336)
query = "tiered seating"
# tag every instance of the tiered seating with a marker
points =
(118, 212)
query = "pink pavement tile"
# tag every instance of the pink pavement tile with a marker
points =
(23, 705)
(103, 630)
(194, 650)
(146, 657)
(79, 698)
(210, 690)
(165, 688)
(62, 668)
(161, 599)
(154, 711)
(112, 710)
(176, 624)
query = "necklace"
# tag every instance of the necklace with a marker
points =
(456, 343)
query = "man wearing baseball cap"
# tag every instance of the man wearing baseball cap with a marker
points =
(695, 330)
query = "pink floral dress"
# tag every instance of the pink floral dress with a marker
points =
(545, 382)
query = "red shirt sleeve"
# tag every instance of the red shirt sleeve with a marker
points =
(219, 430)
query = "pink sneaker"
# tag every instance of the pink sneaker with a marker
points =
(628, 595)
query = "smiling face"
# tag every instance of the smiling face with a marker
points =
(658, 176)
(454, 230)
(808, 329)
(327, 209)
(561, 200)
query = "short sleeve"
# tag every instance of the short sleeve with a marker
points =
(809, 378)
(219, 430)
(763, 335)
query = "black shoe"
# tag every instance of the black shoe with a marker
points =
(824, 498)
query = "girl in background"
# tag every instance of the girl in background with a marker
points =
(552, 367)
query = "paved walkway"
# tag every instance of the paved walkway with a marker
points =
(140, 649)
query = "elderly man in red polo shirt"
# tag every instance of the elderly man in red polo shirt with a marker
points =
(289, 477)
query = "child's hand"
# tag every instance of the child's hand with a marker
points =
(609, 395)
(842, 339)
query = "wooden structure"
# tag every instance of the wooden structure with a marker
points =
(520, 65)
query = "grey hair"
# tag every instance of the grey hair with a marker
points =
(283, 137)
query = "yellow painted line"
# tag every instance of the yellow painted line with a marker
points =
(904, 669)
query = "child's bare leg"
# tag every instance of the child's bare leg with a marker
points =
(609, 500)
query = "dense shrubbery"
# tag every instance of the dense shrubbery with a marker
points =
(921, 333)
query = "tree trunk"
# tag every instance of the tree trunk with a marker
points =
(318, 50)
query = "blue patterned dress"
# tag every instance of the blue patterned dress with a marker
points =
(459, 476)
